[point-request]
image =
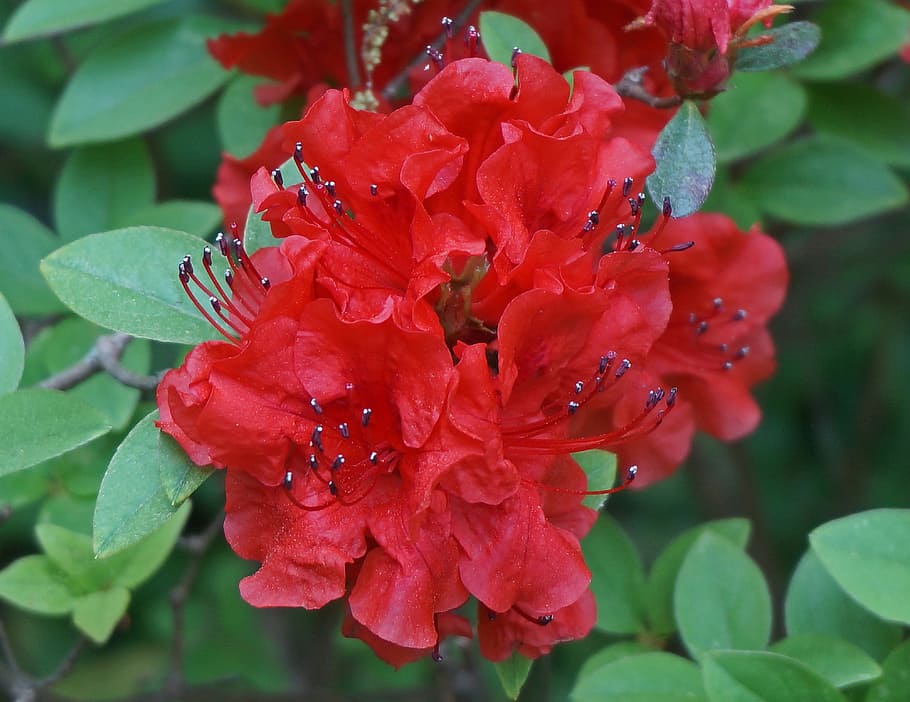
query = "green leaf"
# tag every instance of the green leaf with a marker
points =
(132, 502)
(732, 200)
(197, 218)
(502, 33)
(648, 677)
(138, 80)
(12, 349)
(856, 34)
(38, 18)
(662, 578)
(512, 674)
(257, 234)
(24, 242)
(721, 599)
(600, 467)
(100, 186)
(840, 663)
(97, 613)
(685, 162)
(242, 122)
(613, 652)
(823, 181)
(815, 604)
(894, 685)
(758, 676)
(868, 554)
(180, 479)
(617, 578)
(36, 584)
(36, 425)
(136, 564)
(880, 127)
(127, 280)
(792, 43)
(758, 110)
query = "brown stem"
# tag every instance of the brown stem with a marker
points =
(105, 356)
(21, 686)
(630, 86)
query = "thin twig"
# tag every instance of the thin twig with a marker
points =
(350, 46)
(105, 356)
(197, 546)
(65, 665)
(631, 86)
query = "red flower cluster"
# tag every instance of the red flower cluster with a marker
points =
(405, 378)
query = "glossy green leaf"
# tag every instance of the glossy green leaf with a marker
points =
(502, 33)
(97, 613)
(24, 242)
(512, 674)
(856, 34)
(647, 677)
(37, 18)
(600, 467)
(36, 425)
(132, 502)
(662, 578)
(36, 584)
(257, 234)
(613, 652)
(758, 676)
(837, 661)
(100, 186)
(868, 554)
(880, 127)
(792, 43)
(617, 578)
(136, 564)
(127, 280)
(138, 80)
(242, 122)
(685, 162)
(815, 604)
(758, 109)
(12, 349)
(823, 181)
(180, 479)
(197, 218)
(732, 200)
(721, 599)
(894, 685)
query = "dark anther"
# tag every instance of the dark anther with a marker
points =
(491, 615)
(718, 302)
(680, 247)
(667, 209)
(365, 416)
(671, 397)
(544, 619)
(743, 352)
(333, 489)
(620, 229)
(654, 397)
(728, 365)
(436, 57)
(344, 430)
(573, 407)
(516, 52)
(239, 253)
(606, 362)
(298, 152)
(338, 462)
(634, 206)
(447, 27)
(624, 365)
(631, 473)
(278, 178)
(314, 174)
(229, 278)
(374, 457)
(579, 386)
(723, 348)
(316, 438)
(641, 198)
(627, 186)
(739, 315)
(634, 244)
(207, 256)
(437, 656)
(594, 217)
(374, 190)
(338, 207)
(330, 187)
(184, 276)
(265, 282)
(216, 305)
(701, 328)
(315, 406)
(302, 192)
(222, 244)
(288, 480)
(188, 264)
(314, 462)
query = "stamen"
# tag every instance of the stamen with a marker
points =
(298, 153)
(278, 178)
(344, 430)
(627, 186)
(316, 407)
(365, 416)
(374, 190)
